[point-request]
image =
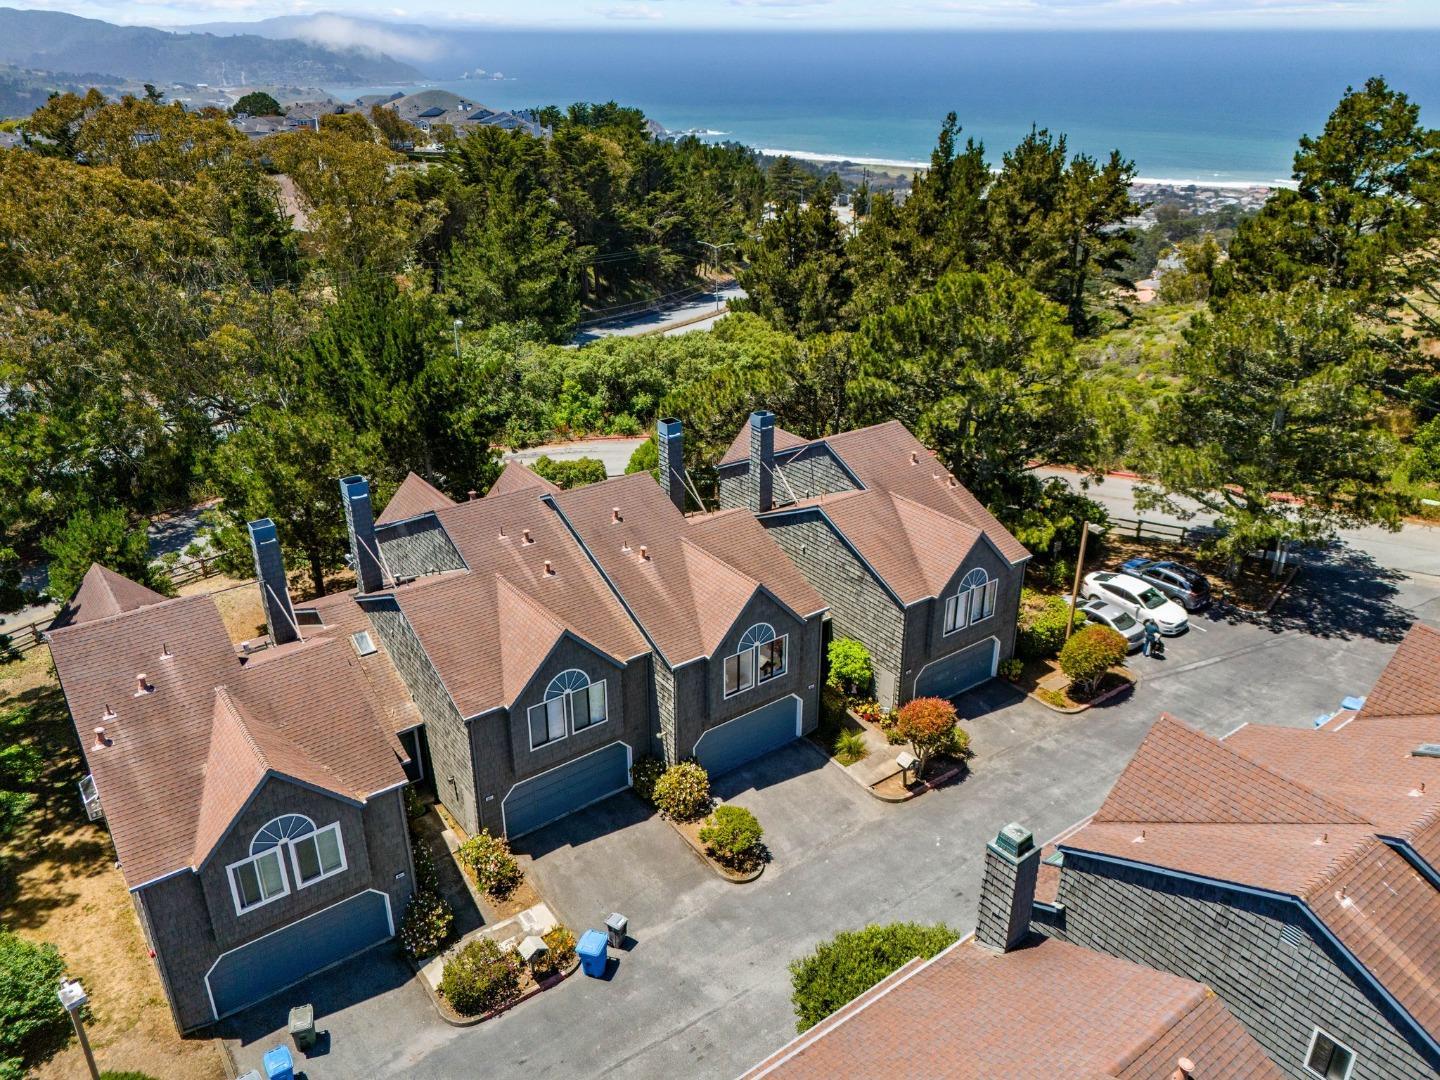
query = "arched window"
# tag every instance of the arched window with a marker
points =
(572, 703)
(759, 658)
(973, 602)
(284, 827)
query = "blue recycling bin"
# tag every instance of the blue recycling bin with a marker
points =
(593, 952)
(279, 1065)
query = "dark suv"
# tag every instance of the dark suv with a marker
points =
(1188, 588)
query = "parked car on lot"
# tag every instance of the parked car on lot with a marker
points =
(1187, 587)
(1138, 599)
(1117, 619)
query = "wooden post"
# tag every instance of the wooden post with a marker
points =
(1079, 569)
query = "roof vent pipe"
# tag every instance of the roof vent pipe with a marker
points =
(100, 740)
(143, 685)
(108, 714)
(526, 537)
(914, 457)
(549, 568)
(615, 515)
(1184, 1070)
(644, 553)
(165, 653)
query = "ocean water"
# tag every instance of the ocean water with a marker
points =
(1204, 106)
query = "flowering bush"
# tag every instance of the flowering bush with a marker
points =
(489, 859)
(732, 835)
(870, 711)
(928, 725)
(643, 775)
(481, 977)
(683, 791)
(560, 954)
(425, 925)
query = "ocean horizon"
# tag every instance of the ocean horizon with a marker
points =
(1208, 107)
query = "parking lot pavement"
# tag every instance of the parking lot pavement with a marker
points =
(704, 991)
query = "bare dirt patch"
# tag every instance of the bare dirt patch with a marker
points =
(59, 884)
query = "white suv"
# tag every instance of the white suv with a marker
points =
(1140, 599)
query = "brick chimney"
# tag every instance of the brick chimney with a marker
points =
(270, 574)
(669, 438)
(360, 523)
(762, 461)
(1007, 892)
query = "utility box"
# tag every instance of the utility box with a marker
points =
(302, 1027)
(617, 926)
(593, 953)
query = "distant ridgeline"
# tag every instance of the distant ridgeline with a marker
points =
(59, 48)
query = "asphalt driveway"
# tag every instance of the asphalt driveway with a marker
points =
(704, 989)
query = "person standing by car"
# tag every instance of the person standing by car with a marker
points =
(1152, 635)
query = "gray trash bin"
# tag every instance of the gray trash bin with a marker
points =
(617, 926)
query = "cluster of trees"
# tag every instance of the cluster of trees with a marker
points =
(192, 314)
(189, 316)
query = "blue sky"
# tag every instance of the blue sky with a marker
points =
(814, 14)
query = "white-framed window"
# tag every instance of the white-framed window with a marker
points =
(314, 854)
(972, 602)
(572, 703)
(1328, 1058)
(256, 881)
(318, 855)
(759, 658)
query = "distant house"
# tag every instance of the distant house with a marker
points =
(907, 560)
(1295, 871)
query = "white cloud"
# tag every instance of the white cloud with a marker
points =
(629, 12)
(338, 32)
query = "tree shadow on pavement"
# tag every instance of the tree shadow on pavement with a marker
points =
(1340, 592)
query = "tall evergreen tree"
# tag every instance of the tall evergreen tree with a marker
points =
(796, 274)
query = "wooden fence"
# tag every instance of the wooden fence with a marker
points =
(1140, 529)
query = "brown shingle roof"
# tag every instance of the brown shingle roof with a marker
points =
(158, 770)
(697, 574)
(1303, 813)
(517, 477)
(487, 629)
(1047, 1009)
(923, 519)
(1410, 683)
(103, 593)
(414, 496)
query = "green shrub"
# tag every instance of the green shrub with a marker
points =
(683, 791)
(643, 775)
(414, 806)
(1012, 668)
(489, 859)
(832, 713)
(850, 747)
(646, 458)
(33, 1023)
(840, 970)
(426, 924)
(481, 977)
(1042, 625)
(733, 836)
(570, 474)
(1089, 654)
(850, 666)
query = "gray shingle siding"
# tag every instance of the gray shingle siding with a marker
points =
(417, 547)
(1280, 987)
(665, 709)
(450, 752)
(860, 607)
(191, 918)
(925, 637)
(500, 740)
(808, 472)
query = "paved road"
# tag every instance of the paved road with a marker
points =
(651, 322)
(615, 453)
(704, 992)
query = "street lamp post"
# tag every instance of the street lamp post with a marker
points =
(72, 996)
(1079, 572)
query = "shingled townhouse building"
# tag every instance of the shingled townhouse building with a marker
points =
(908, 561)
(518, 651)
(1295, 871)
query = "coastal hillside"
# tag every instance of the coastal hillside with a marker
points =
(60, 43)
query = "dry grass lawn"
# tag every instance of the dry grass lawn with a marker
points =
(59, 884)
